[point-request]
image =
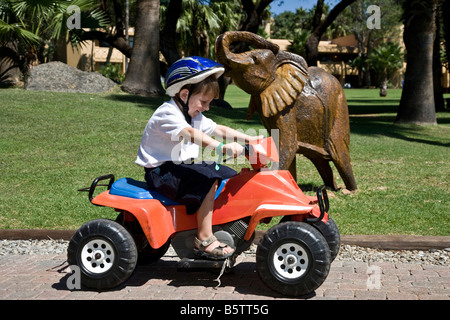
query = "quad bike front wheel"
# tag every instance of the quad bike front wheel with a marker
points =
(331, 233)
(105, 253)
(293, 258)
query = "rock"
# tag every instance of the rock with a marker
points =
(60, 77)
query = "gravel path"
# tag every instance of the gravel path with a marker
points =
(347, 252)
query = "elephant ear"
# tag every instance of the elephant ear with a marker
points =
(284, 90)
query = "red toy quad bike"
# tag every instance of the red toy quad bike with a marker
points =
(293, 257)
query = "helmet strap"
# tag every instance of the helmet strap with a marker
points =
(185, 108)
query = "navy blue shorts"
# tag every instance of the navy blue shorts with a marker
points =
(187, 184)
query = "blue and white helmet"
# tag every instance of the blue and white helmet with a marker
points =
(190, 70)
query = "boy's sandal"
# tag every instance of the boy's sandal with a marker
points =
(215, 254)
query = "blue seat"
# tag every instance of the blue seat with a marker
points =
(127, 187)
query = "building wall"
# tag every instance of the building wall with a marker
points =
(91, 56)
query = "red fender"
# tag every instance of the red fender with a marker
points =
(155, 219)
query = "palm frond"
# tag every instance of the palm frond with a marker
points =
(90, 17)
(10, 32)
(39, 9)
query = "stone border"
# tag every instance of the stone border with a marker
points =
(386, 242)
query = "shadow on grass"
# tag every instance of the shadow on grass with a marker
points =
(143, 102)
(367, 116)
(384, 125)
(236, 115)
(373, 108)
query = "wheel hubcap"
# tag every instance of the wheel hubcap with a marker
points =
(290, 260)
(97, 256)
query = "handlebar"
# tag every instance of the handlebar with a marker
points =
(259, 153)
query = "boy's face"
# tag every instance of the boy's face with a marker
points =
(199, 102)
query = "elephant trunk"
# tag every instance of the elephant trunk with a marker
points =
(224, 41)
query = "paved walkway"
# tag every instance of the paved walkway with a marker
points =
(38, 277)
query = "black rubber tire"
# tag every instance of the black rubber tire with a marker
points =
(149, 255)
(113, 246)
(331, 233)
(302, 268)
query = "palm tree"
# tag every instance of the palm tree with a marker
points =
(417, 104)
(17, 42)
(143, 73)
(385, 59)
(201, 22)
(196, 21)
(298, 44)
(28, 24)
(12, 28)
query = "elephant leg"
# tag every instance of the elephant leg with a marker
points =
(286, 129)
(325, 171)
(344, 167)
(293, 168)
(288, 159)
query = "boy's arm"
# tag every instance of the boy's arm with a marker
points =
(202, 139)
(228, 133)
(198, 137)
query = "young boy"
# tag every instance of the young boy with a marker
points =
(172, 140)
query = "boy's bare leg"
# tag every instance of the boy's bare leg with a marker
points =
(204, 220)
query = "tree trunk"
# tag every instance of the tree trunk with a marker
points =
(253, 14)
(168, 35)
(312, 48)
(319, 27)
(445, 7)
(143, 76)
(312, 43)
(437, 66)
(383, 85)
(117, 40)
(417, 101)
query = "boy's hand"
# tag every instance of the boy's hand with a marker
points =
(233, 149)
(253, 138)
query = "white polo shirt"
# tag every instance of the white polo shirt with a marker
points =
(161, 141)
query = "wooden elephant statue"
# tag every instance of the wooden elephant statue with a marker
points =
(306, 104)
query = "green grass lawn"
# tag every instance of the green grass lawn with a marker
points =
(52, 144)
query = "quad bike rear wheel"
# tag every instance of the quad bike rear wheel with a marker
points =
(293, 258)
(105, 253)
